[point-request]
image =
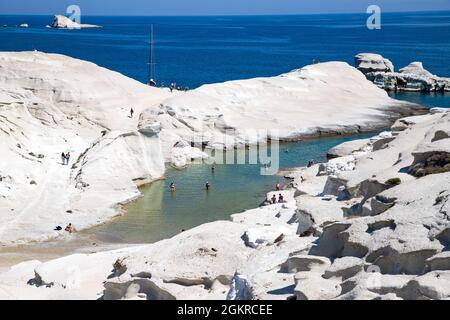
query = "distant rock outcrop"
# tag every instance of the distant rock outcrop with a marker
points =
(62, 22)
(412, 78)
(371, 62)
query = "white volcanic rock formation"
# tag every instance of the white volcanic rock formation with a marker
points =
(63, 22)
(51, 104)
(320, 99)
(412, 78)
(371, 62)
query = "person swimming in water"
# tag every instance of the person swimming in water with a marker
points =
(172, 186)
(208, 186)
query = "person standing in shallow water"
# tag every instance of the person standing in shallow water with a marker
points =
(208, 186)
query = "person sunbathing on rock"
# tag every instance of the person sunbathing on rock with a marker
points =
(274, 199)
(69, 228)
(311, 163)
(280, 198)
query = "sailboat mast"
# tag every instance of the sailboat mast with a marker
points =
(151, 52)
(150, 59)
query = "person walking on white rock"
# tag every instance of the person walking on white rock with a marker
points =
(67, 158)
(131, 113)
(63, 158)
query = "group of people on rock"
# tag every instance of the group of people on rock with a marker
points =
(273, 200)
(65, 158)
(173, 86)
(69, 228)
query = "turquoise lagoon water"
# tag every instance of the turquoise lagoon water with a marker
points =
(159, 213)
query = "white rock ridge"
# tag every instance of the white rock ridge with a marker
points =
(320, 99)
(51, 104)
(63, 22)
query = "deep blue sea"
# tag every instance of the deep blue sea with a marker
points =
(196, 50)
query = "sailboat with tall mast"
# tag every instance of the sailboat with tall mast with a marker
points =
(151, 64)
